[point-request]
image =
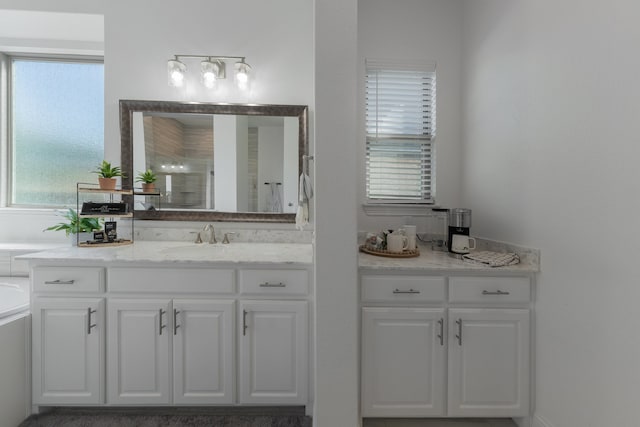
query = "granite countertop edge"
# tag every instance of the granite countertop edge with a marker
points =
(174, 253)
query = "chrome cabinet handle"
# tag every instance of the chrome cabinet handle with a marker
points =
(498, 292)
(59, 282)
(161, 312)
(244, 322)
(459, 335)
(272, 285)
(441, 334)
(410, 291)
(89, 324)
(175, 321)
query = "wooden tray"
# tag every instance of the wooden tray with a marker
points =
(383, 252)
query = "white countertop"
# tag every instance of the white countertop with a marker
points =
(168, 252)
(27, 247)
(435, 261)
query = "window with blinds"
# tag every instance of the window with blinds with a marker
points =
(400, 129)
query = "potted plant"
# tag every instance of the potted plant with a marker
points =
(148, 179)
(107, 175)
(76, 224)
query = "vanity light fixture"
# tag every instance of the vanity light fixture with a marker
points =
(212, 69)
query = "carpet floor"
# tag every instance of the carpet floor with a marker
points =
(231, 417)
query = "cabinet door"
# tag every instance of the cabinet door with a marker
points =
(488, 362)
(138, 343)
(203, 356)
(403, 362)
(68, 342)
(273, 352)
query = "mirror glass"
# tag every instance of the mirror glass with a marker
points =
(219, 162)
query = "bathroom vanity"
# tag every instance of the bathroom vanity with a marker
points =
(441, 337)
(172, 323)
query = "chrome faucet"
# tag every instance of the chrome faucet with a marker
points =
(226, 237)
(212, 233)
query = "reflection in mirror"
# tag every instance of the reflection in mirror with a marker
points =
(219, 162)
(230, 163)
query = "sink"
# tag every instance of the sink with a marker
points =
(193, 249)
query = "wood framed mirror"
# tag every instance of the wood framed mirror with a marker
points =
(214, 162)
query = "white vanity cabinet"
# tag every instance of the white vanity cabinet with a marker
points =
(138, 351)
(204, 334)
(143, 334)
(446, 345)
(273, 336)
(488, 362)
(273, 352)
(68, 343)
(403, 362)
(203, 351)
(68, 335)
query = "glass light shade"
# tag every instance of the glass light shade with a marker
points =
(210, 72)
(242, 74)
(176, 71)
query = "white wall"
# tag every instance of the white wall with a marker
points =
(420, 30)
(550, 160)
(336, 278)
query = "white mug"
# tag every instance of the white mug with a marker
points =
(410, 231)
(396, 243)
(462, 244)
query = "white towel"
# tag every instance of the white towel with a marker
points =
(492, 259)
(305, 193)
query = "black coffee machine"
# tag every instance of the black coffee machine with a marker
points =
(459, 224)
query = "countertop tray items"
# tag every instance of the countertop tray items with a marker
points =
(385, 253)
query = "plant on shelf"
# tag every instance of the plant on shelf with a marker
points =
(148, 179)
(76, 224)
(107, 175)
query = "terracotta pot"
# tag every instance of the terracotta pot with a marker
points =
(107, 183)
(149, 187)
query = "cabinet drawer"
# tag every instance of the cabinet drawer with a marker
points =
(274, 282)
(68, 279)
(193, 280)
(489, 289)
(403, 288)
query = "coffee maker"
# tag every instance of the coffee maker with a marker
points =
(459, 225)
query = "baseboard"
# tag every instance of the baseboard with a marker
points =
(522, 422)
(539, 421)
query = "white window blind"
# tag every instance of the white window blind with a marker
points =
(400, 128)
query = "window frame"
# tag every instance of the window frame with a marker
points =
(386, 205)
(6, 120)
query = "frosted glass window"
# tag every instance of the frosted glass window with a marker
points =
(57, 129)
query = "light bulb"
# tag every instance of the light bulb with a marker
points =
(210, 73)
(209, 80)
(176, 71)
(242, 74)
